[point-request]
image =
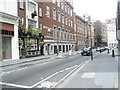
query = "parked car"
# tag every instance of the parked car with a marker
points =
(97, 49)
(86, 51)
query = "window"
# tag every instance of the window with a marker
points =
(54, 32)
(41, 26)
(63, 19)
(54, 1)
(71, 23)
(21, 21)
(65, 8)
(75, 27)
(59, 17)
(31, 23)
(54, 13)
(58, 3)
(31, 7)
(68, 10)
(59, 33)
(71, 13)
(40, 12)
(47, 11)
(66, 21)
(41, 1)
(62, 5)
(49, 33)
(21, 3)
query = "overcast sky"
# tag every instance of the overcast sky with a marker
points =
(97, 9)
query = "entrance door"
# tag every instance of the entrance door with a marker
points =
(6, 48)
(55, 49)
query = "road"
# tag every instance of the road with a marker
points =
(44, 73)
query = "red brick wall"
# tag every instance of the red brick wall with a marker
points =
(1, 58)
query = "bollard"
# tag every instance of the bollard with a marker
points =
(108, 51)
(113, 53)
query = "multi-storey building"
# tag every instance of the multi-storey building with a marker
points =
(84, 32)
(118, 24)
(80, 32)
(111, 27)
(100, 32)
(9, 30)
(55, 19)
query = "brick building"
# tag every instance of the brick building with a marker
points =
(84, 32)
(118, 24)
(100, 31)
(55, 19)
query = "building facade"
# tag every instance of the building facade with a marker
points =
(9, 30)
(118, 24)
(100, 32)
(84, 32)
(55, 19)
(111, 27)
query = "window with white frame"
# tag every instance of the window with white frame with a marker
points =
(59, 33)
(54, 31)
(47, 11)
(65, 8)
(59, 17)
(58, 3)
(41, 1)
(21, 4)
(71, 13)
(68, 10)
(54, 1)
(62, 5)
(40, 12)
(71, 23)
(63, 34)
(66, 21)
(41, 26)
(31, 23)
(63, 19)
(75, 27)
(54, 13)
(31, 7)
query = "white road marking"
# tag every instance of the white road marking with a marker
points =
(44, 80)
(71, 67)
(47, 84)
(21, 68)
(61, 71)
(15, 70)
(88, 75)
(83, 64)
(10, 71)
(14, 85)
(2, 73)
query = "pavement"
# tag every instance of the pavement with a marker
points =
(9, 62)
(102, 72)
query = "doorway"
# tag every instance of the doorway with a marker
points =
(6, 48)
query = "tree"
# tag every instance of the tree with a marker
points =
(99, 40)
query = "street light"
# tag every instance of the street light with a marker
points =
(91, 50)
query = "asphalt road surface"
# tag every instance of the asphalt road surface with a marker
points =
(44, 73)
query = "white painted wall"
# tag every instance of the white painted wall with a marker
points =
(9, 7)
(111, 33)
(15, 45)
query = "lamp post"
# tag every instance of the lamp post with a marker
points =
(91, 50)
